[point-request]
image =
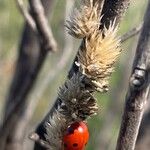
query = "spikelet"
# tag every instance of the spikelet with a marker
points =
(97, 55)
(55, 127)
(75, 103)
(79, 102)
(84, 20)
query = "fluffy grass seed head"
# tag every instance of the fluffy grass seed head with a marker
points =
(84, 20)
(80, 103)
(55, 128)
(97, 55)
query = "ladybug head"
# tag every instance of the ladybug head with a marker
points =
(76, 137)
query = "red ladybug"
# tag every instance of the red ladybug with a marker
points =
(76, 137)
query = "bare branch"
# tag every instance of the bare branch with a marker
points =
(131, 33)
(51, 74)
(143, 140)
(39, 23)
(45, 33)
(138, 90)
(35, 137)
(30, 60)
(26, 14)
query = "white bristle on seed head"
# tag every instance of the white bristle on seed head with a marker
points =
(84, 20)
(98, 54)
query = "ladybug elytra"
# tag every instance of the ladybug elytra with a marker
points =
(76, 137)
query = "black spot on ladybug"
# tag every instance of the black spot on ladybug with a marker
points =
(65, 145)
(70, 130)
(85, 143)
(75, 145)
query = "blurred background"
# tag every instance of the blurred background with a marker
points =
(105, 126)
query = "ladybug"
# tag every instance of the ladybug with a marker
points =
(76, 137)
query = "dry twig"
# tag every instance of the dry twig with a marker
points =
(131, 33)
(29, 63)
(35, 137)
(39, 23)
(138, 90)
(143, 139)
(51, 74)
(44, 30)
(26, 14)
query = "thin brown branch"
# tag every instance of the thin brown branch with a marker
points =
(37, 20)
(35, 137)
(143, 140)
(43, 28)
(138, 90)
(131, 33)
(26, 15)
(37, 93)
(30, 60)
